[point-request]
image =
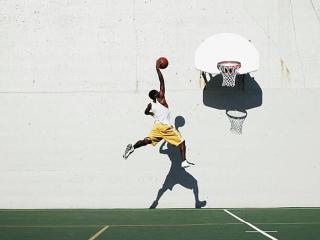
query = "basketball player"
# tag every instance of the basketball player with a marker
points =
(162, 128)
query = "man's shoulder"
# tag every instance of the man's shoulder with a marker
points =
(161, 99)
(163, 102)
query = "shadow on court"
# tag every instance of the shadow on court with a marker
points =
(177, 174)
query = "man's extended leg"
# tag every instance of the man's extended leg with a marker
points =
(130, 148)
(142, 143)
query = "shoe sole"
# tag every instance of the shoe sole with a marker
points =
(128, 154)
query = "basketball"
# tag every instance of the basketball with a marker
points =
(163, 62)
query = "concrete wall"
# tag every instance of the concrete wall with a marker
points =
(74, 78)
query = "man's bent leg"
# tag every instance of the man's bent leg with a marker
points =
(182, 148)
(184, 162)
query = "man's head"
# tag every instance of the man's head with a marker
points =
(153, 94)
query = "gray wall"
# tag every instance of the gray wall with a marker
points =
(74, 78)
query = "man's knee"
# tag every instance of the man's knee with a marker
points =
(147, 141)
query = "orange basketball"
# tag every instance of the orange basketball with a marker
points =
(163, 62)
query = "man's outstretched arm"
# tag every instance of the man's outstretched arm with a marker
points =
(162, 88)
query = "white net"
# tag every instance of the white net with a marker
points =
(229, 71)
(236, 119)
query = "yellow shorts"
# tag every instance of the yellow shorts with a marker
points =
(167, 132)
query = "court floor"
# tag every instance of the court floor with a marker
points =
(156, 224)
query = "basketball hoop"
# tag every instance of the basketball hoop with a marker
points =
(229, 71)
(236, 119)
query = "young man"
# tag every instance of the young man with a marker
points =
(162, 128)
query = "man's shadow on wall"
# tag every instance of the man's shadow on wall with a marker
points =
(177, 174)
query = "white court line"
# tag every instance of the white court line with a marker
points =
(161, 209)
(158, 209)
(112, 209)
(51, 226)
(264, 231)
(277, 208)
(298, 208)
(288, 223)
(149, 225)
(251, 225)
(98, 233)
(118, 225)
(171, 225)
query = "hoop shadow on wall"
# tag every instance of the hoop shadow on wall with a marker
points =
(177, 174)
(246, 94)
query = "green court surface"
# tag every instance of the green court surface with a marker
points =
(156, 224)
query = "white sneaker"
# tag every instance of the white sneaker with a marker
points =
(128, 151)
(186, 164)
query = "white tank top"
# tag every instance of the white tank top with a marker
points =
(161, 113)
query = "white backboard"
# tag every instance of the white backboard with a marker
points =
(226, 47)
